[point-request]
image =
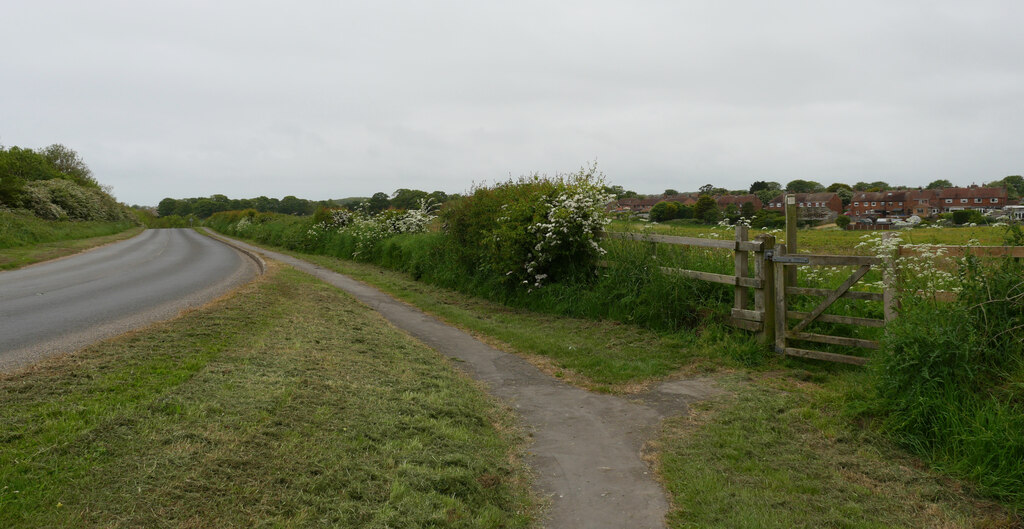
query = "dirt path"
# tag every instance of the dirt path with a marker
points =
(586, 447)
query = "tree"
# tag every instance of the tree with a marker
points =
(663, 211)
(732, 212)
(804, 186)
(940, 184)
(706, 189)
(671, 192)
(705, 208)
(842, 221)
(291, 205)
(766, 195)
(167, 207)
(26, 164)
(70, 163)
(1014, 185)
(438, 197)
(204, 207)
(834, 188)
(845, 194)
(758, 186)
(407, 198)
(748, 210)
(264, 204)
(872, 186)
(377, 203)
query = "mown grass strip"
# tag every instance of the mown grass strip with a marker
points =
(287, 405)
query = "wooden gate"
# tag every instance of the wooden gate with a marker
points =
(785, 286)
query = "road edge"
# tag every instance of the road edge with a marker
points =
(260, 263)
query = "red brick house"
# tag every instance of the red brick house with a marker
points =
(926, 202)
(810, 206)
(724, 201)
(643, 205)
(878, 204)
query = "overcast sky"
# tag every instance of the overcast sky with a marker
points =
(328, 99)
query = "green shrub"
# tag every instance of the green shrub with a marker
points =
(531, 231)
(63, 199)
(967, 216)
(663, 211)
(949, 379)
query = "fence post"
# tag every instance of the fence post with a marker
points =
(742, 268)
(889, 279)
(780, 301)
(791, 217)
(764, 297)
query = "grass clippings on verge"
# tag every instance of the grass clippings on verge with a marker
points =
(287, 405)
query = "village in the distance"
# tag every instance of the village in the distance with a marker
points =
(863, 206)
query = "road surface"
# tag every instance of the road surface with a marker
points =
(61, 306)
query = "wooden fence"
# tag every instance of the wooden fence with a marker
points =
(766, 269)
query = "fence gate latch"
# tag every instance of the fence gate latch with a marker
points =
(791, 259)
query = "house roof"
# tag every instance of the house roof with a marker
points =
(807, 197)
(739, 200)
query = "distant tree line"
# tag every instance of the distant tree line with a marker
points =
(203, 207)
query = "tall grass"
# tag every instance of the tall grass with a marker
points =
(24, 229)
(949, 380)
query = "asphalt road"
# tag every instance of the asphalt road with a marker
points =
(61, 306)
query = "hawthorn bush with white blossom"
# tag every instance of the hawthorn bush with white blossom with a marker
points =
(368, 230)
(532, 230)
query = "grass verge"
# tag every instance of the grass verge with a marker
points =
(287, 405)
(25, 239)
(776, 454)
(780, 451)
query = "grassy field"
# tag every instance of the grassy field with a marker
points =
(26, 239)
(828, 241)
(779, 451)
(287, 405)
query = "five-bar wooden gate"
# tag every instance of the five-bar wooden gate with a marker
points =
(784, 288)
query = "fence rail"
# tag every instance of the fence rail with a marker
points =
(773, 282)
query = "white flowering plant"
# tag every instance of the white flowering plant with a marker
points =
(533, 230)
(370, 229)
